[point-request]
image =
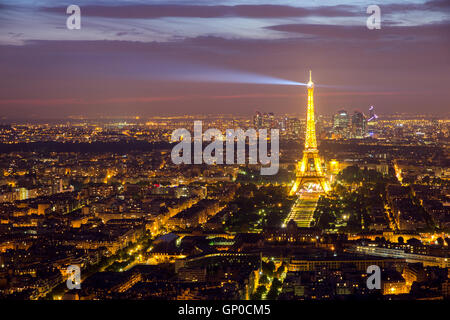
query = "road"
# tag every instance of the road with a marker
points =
(303, 210)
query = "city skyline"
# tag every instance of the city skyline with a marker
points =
(100, 212)
(258, 155)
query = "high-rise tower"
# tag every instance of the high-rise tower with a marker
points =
(309, 171)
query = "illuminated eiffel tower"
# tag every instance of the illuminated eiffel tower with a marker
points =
(309, 172)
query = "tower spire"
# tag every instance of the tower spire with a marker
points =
(310, 84)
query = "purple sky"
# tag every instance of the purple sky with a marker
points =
(175, 57)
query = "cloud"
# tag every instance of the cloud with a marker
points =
(211, 11)
(438, 4)
(429, 5)
(436, 31)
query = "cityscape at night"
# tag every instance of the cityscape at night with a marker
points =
(226, 151)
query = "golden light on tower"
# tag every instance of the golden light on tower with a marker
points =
(334, 166)
(310, 142)
(309, 169)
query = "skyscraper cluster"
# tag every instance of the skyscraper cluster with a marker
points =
(349, 127)
(264, 120)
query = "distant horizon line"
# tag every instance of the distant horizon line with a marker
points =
(137, 117)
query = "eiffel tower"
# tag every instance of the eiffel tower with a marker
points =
(309, 172)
